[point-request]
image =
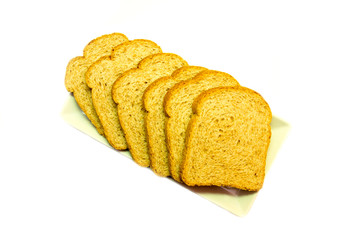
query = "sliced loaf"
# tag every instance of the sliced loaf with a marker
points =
(153, 100)
(101, 76)
(127, 93)
(177, 106)
(227, 139)
(77, 67)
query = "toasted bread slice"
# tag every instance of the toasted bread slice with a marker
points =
(127, 93)
(153, 99)
(177, 106)
(77, 67)
(227, 139)
(101, 76)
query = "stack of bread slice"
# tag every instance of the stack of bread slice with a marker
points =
(196, 125)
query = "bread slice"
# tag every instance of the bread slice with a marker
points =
(77, 67)
(227, 139)
(177, 106)
(101, 76)
(153, 100)
(127, 93)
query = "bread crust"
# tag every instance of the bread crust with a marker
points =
(170, 95)
(87, 52)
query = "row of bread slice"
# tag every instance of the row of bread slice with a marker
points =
(141, 99)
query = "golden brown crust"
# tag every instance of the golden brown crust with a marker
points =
(186, 72)
(151, 61)
(95, 40)
(206, 94)
(92, 44)
(169, 97)
(120, 49)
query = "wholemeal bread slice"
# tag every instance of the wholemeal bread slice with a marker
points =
(101, 76)
(77, 67)
(177, 106)
(227, 139)
(127, 93)
(153, 100)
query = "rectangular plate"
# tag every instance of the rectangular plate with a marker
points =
(234, 200)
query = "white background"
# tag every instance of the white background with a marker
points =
(302, 56)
